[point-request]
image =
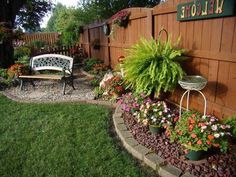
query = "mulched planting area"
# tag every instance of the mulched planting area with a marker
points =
(214, 165)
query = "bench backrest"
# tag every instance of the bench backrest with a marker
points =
(52, 62)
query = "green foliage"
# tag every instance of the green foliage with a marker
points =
(152, 66)
(3, 73)
(24, 60)
(37, 44)
(68, 28)
(232, 122)
(103, 9)
(59, 140)
(21, 52)
(89, 64)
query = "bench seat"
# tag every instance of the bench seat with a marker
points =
(43, 76)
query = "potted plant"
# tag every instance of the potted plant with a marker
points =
(96, 44)
(152, 67)
(121, 18)
(156, 115)
(197, 134)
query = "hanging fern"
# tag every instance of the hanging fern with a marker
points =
(152, 66)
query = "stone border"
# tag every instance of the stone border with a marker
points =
(141, 152)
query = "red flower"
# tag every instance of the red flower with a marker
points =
(199, 142)
(193, 135)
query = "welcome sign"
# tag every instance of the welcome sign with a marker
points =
(201, 9)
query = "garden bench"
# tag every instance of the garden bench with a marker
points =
(50, 62)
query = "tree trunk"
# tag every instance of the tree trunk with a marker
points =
(8, 12)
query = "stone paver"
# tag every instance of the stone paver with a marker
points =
(153, 160)
(169, 171)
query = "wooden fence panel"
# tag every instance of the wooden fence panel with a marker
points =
(211, 44)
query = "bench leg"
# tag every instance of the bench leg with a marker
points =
(21, 84)
(72, 83)
(64, 87)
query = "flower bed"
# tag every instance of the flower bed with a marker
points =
(215, 164)
(181, 139)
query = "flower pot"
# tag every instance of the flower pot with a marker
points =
(155, 129)
(195, 155)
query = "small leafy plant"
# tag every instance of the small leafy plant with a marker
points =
(232, 122)
(153, 66)
(89, 64)
(196, 132)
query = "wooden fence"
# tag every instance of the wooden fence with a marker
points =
(63, 50)
(211, 42)
(49, 38)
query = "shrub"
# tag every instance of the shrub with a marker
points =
(89, 64)
(152, 67)
(21, 52)
(232, 122)
(3, 73)
(17, 70)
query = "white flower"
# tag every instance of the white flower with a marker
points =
(214, 127)
(135, 113)
(145, 111)
(154, 120)
(222, 134)
(216, 135)
(160, 113)
(148, 105)
(203, 127)
(155, 110)
(169, 115)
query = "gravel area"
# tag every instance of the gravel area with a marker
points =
(51, 91)
(214, 165)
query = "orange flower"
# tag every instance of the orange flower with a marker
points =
(193, 135)
(191, 121)
(199, 142)
(190, 128)
(180, 132)
(210, 137)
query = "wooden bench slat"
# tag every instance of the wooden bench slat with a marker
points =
(42, 76)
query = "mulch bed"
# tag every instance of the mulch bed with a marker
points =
(215, 165)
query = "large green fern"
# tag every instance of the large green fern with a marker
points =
(152, 66)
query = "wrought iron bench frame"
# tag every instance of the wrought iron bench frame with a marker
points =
(51, 62)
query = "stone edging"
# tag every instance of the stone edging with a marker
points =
(142, 153)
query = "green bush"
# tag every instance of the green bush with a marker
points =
(23, 60)
(89, 64)
(21, 52)
(232, 122)
(153, 66)
(3, 73)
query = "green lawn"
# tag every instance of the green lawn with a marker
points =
(60, 140)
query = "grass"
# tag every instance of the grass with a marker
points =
(60, 140)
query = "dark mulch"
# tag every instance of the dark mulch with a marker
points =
(214, 165)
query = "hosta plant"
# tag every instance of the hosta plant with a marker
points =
(196, 132)
(153, 66)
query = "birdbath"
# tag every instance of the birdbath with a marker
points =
(192, 83)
